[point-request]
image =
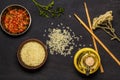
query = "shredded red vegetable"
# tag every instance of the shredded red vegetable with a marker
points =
(16, 20)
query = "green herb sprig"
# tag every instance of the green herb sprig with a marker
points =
(47, 10)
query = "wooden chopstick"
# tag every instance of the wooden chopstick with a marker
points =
(90, 25)
(97, 39)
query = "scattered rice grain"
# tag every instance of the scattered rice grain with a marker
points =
(80, 44)
(63, 27)
(44, 35)
(58, 25)
(61, 41)
(81, 36)
(69, 16)
(90, 45)
(52, 23)
(84, 45)
(71, 56)
(45, 30)
(61, 24)
(75, 45)
(68, 27)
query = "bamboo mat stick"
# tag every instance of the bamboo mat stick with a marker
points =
(90, 25)
(97, 39)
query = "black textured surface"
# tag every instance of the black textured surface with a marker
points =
(59, 67)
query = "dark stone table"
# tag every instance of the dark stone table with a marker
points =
(59, 67)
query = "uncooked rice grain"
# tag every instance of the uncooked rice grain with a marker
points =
(61, 41)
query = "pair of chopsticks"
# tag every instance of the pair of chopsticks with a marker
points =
(94, 42)
(94, 37)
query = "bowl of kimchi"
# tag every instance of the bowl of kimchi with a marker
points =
(15, 19)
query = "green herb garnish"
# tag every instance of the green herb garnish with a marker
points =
(104, 22)
(47, 10)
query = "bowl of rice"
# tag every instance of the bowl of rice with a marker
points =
(32, 54)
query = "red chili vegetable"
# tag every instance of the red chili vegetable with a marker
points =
(16, 20)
